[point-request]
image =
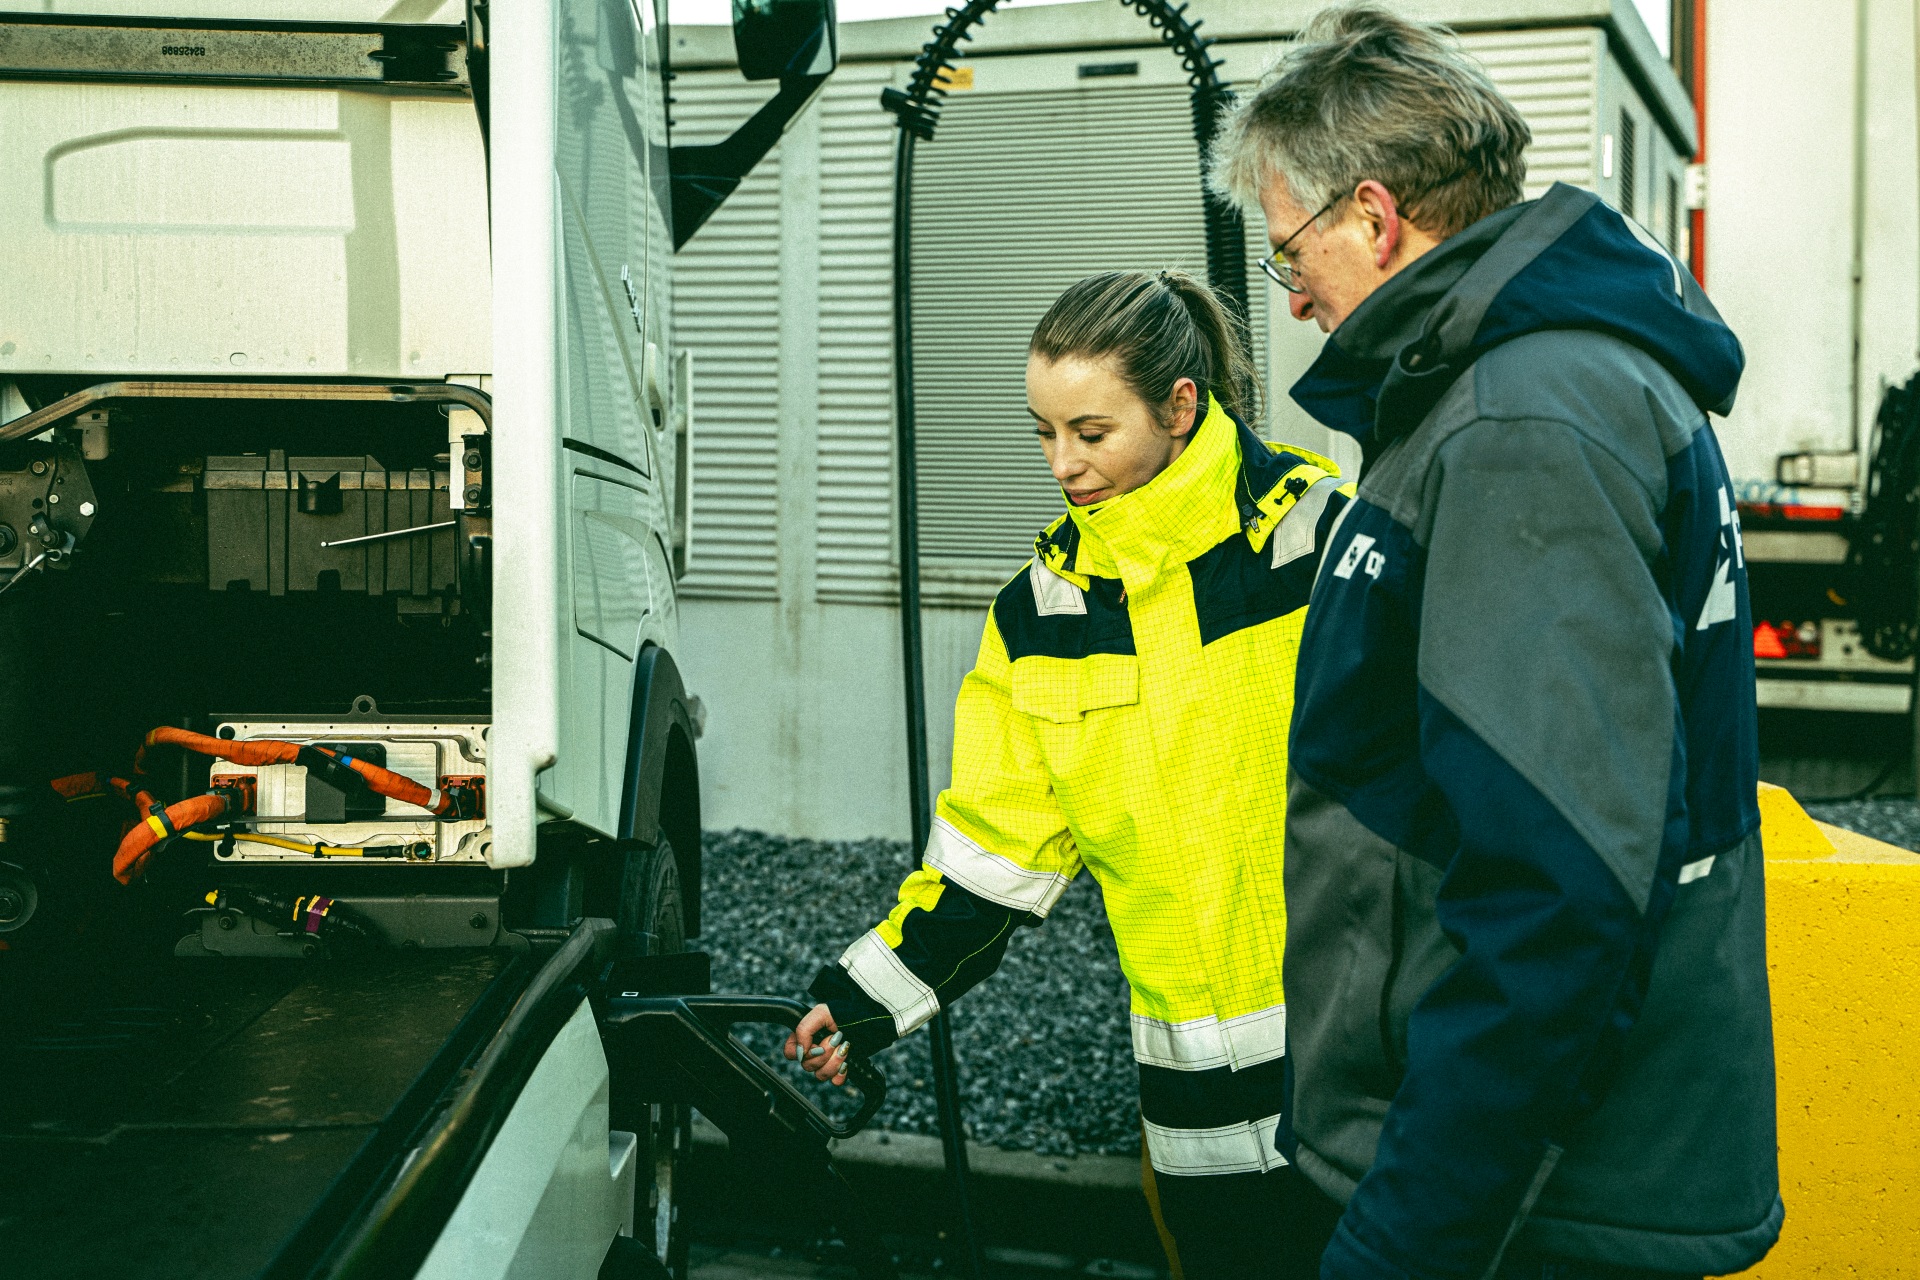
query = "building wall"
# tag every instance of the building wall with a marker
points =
(789, 632)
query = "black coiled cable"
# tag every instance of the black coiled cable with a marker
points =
(1883, 553)
(918, 107)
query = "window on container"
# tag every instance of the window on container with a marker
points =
(1629, 193)
(1673, 213)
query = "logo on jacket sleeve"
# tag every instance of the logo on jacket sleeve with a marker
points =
(1722, 604)
(1361, 546)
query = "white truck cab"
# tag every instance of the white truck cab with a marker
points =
(342, 444)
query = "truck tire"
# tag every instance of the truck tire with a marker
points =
(650, 922)
(647, 914)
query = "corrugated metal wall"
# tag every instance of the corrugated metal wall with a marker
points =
(1023, 192)
(1552, 77)
(854, 554)
(726, 310)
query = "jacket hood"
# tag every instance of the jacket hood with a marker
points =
(1565, 261)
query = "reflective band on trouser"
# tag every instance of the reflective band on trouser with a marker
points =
(1246, 1147)
(1203, 1043)
(990, 876)
(885, 977)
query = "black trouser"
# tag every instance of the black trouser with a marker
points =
(1235, 1225)
(1277, 1224)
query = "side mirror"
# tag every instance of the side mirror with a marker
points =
(785, 39)
(796, 42)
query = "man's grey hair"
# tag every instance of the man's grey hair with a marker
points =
(1363, 93)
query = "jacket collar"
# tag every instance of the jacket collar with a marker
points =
(1565, 261)
(1226, 480)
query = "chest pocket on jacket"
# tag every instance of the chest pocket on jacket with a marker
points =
(1065, 689)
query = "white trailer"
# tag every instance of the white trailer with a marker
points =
(341, 451)
(1811, 188)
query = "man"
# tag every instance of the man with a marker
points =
(1528, 1028)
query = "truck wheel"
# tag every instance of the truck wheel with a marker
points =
(649, 922)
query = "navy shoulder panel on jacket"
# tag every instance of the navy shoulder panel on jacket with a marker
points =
(1097, 622)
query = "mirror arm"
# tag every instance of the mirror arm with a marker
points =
(704, 176)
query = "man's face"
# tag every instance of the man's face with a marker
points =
(1339, 260)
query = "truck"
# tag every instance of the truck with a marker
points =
(1807, 236)
(349, 788)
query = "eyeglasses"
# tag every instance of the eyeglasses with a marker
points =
(1278, 269)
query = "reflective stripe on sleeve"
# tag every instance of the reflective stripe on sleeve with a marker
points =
(1246, 1147)
(990, 876)
(1695, 870)
(884, 976)
(1204, 1043)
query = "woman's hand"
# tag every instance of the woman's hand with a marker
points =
(826, 1060)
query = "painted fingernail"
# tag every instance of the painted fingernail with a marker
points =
(837, 1037)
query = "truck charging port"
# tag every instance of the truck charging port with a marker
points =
(466, 796)
(240, 791)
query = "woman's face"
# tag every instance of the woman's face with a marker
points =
(1101, 439)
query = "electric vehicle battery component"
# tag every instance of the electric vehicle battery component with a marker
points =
(295, 808)
(278, 524)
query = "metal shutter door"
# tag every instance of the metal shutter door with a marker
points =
(726, 310)
(855, 554)
(1552, 77)
(1019, 195)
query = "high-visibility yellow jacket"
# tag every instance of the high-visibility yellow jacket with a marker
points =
(1129, 713)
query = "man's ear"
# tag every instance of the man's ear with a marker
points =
(1185, 405)
(1382, 214)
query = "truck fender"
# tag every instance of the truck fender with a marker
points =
(661, 791)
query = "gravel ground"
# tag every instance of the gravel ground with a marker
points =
(1045, 1060)
(1895, 821)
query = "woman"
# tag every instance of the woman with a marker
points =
(1129, 713)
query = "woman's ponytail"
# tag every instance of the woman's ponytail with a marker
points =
(1235, 381)
(1160, 327)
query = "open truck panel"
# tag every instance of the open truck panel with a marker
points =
(349, 804)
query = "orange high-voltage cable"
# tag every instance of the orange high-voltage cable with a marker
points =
(327, 763)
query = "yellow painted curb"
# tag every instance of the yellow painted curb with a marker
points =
(1843, 958)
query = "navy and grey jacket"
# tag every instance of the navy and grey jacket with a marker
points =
(1525, 954)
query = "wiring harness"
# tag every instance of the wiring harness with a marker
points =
(1885, 544)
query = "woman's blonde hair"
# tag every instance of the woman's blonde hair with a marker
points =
(1158, 327)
